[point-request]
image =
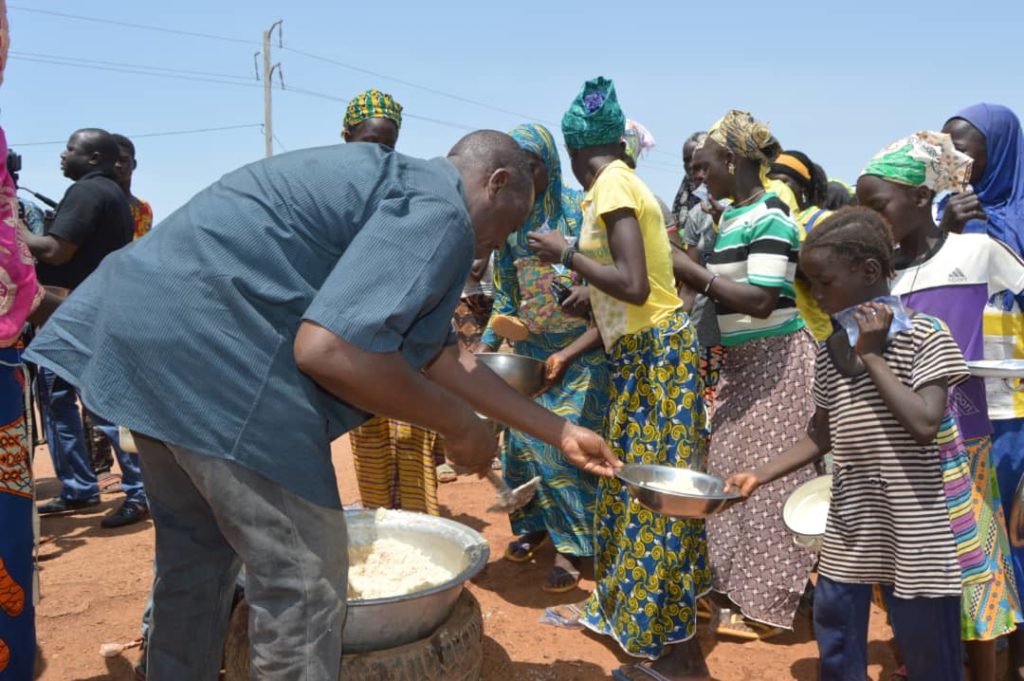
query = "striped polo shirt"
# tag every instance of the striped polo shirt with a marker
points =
(758, 244)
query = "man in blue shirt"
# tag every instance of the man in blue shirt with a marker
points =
(266, 317)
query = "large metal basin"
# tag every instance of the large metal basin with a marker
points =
(379, 623)
(525, 374)
(677, 492)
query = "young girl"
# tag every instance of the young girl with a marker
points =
(880, 392)
(952, 276)
(650, 569)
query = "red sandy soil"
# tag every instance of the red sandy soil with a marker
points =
(95, 583)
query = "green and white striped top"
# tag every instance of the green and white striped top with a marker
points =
(758, 244)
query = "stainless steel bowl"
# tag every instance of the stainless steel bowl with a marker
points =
(805, 512)
(525, 374)
(380, 623)
(667, 490)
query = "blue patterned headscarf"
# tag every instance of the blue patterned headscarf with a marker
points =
(557, 206)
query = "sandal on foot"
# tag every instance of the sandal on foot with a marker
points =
(496, 464)
(704, 609)
(736, 625)
(562, 579)
(445, 473)
(520, 550)
(625, 673)
(900, 674)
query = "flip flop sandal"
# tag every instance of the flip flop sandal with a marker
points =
(737, 626)
(445, 473)
(563, 616)
(531, 549)
(704, 610)
(552, 586)
(623, 673)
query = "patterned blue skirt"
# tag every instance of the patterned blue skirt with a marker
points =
(564, 505)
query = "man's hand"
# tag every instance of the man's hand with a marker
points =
(472, 445)
(961, 209)
(586, 449)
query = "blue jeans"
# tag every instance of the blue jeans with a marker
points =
(65, 436)
(927, 632)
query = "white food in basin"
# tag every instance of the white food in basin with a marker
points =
(677, 486)
(388, 567)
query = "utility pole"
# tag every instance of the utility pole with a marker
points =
(268, 76)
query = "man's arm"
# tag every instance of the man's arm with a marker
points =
(459, 371)
(49, 249)
(385, 384)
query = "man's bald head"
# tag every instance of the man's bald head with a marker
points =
(89, 149)
(499, 185)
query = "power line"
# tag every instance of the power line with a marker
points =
(405, 114)
(425, 88)
(126, 24)
(321, 58)
(100, 62)
(117, 69)
(151, 134)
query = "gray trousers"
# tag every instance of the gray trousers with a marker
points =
(213, 516)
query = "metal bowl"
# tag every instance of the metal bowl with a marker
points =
(525, 374)
(677, 492)
(805, 512)
(381, 623)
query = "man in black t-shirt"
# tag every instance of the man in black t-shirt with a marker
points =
(92, 220)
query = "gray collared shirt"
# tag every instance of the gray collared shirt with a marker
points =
(187, 335)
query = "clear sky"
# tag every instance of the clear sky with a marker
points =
(835, 80)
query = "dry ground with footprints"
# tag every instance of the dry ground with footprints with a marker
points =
(95, 583)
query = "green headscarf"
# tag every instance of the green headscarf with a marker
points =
(925, 159)
(594, 118)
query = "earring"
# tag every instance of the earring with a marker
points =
(732, 168)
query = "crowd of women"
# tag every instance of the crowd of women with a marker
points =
(749, 331)
(754, 329)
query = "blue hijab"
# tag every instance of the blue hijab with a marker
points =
(558, 206)
(1001, 190)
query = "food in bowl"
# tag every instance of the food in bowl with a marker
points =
(677, 486)
(387, 568)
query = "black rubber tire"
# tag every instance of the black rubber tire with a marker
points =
(452, 653)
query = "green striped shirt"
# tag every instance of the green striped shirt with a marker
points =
(758, 244)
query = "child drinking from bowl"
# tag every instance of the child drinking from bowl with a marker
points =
(880, 390)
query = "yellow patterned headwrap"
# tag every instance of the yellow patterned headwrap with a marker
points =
(372, 104)
(744, 135)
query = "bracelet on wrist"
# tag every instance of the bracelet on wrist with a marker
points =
(566, 258)
(707, 287)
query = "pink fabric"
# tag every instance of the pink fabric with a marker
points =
(20, 293)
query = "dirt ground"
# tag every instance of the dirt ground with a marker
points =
(95, 583)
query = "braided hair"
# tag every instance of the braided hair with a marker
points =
(855, 235)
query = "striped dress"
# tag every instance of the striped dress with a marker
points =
(890, 517)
